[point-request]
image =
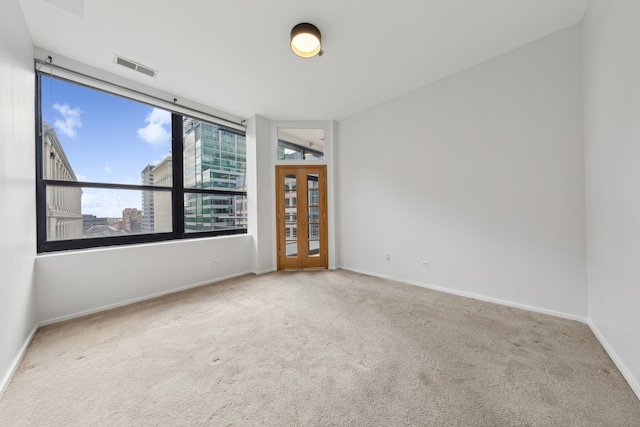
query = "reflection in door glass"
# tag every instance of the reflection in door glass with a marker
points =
(290, 215)
(312, 180)
(291, 231)
(314, 214)
(290, 182)
(314, 231)
(314, 248)
(292, 249)
(314, 198)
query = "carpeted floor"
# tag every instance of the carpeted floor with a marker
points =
(317, 348)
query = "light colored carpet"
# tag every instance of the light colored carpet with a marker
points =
(317, 348)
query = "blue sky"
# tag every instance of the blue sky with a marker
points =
(106, 139)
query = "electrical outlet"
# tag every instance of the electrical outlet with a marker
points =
(425, 263)
(215, 261)
(388, 257)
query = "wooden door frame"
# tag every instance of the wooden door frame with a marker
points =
(322, 261)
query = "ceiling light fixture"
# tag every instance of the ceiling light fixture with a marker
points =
(306, 41)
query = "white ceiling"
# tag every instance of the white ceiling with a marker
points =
(234, 55)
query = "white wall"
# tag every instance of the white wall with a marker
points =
(69, 284)
(259, 193)
(17, 188)
(482, 175)
(612, 150)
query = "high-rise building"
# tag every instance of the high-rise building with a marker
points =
(163, 177)
(214, 158)
(147, 201)
(64, 204)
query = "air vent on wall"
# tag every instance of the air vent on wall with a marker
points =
(134, 66)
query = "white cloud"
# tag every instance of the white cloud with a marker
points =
(70, 119)
(155, 133)
(81, 177)
(158, 115)
(107, 168)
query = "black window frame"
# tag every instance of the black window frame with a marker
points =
(178, 190)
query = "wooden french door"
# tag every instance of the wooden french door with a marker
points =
(301, 197)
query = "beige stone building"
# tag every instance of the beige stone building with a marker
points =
(64, 204)
(163, 177)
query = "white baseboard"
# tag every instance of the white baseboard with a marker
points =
(135, 300)
(261, 272)
(16, 362)
(633, 382)
(581, 319)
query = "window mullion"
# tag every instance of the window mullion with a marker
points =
(178, 173)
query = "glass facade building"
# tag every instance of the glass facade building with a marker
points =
(214, 159)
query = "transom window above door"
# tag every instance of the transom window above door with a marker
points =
(300, 144)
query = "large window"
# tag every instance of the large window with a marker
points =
(114, 171)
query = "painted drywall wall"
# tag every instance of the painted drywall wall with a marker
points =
(611, 37)
(259, 193)
(17, 188)
(331, 196)
(69, 284)
(481, 175)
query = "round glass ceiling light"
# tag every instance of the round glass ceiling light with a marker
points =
(306, 41)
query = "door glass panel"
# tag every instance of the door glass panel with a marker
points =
(290, 199)
(290, 215)
(291, 231)
(314, 248)
(292, 249)
(312, 186)
(313, 227)
(289, 182)
(290, 224)
(313, 198)
(314, 214)
(314, 231)
(312, 180)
